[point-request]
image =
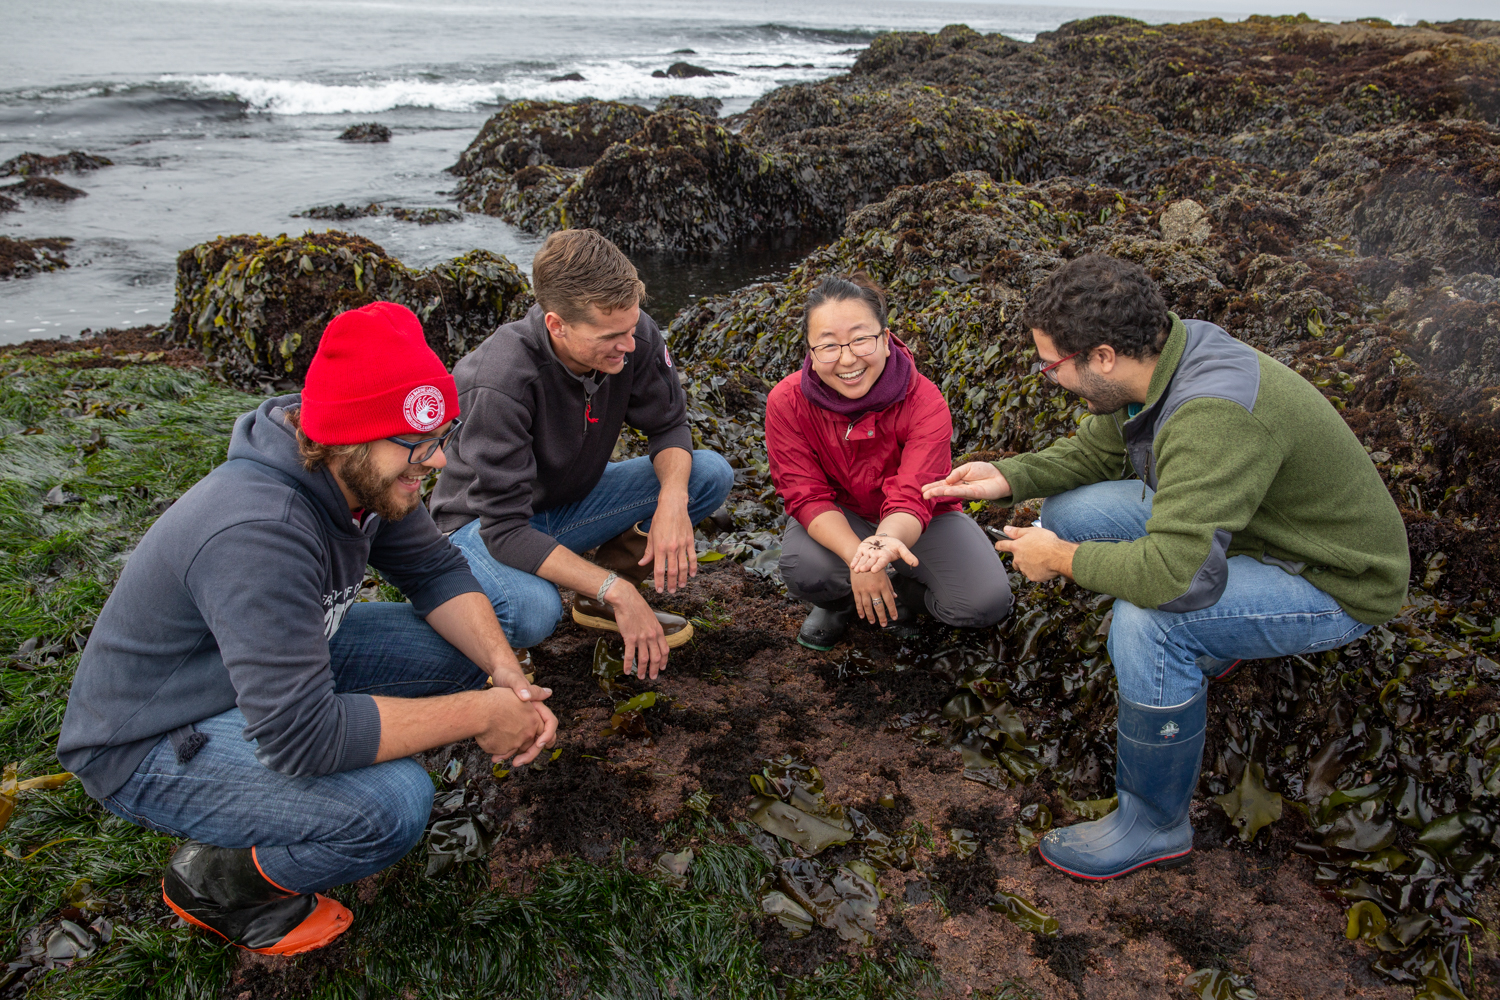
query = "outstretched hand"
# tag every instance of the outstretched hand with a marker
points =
(879, 551)
(970, 481)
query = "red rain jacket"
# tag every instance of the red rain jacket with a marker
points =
(820, 461)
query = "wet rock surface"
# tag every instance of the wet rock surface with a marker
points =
(257, 306)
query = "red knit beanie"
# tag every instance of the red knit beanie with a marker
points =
(375, 377)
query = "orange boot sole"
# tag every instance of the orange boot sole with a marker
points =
(325, 923)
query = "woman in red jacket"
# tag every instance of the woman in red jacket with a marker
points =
(851, 438)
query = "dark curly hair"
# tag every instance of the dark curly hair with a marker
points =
(1097, 300)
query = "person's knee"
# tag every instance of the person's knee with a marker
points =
(711, 480)
(396, 817)
(978, 606)
(1065, 514)
(1135, 636)
(535, 617)
(810, 575)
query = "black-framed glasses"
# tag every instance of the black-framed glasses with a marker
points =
(860, 347)
(429, 446)
(1049, 370)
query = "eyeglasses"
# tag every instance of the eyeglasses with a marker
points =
(860, 347)
(429, 446)
(1043, 368)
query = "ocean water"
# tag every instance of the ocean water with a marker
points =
(222, 117)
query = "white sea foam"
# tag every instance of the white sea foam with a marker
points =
(751, 73)
(303, 97)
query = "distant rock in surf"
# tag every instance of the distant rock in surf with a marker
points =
(686, 71)
(22, 258)
(45, 188)
(366, 132)
(343, 213)
(566, 78)
(74, 161)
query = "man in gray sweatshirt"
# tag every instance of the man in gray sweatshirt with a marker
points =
(530, 485)
(235, 692)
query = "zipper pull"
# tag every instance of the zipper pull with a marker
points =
(849, 431)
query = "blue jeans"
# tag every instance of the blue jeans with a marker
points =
(309, 832)
(529, 607)
(1264, 611)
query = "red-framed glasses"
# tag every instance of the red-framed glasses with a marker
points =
(1042, 368)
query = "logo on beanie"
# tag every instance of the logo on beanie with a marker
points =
(423, 408)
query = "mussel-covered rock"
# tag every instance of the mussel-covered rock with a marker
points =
(260, 305)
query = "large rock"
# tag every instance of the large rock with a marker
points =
(806, 157)
(260, 305)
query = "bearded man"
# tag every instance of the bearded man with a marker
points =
(237, 692)
(1222, 502)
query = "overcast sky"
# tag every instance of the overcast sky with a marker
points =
(1399, 11)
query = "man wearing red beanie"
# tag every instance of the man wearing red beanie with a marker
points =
(238, 692)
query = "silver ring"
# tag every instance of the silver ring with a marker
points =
(877, 600)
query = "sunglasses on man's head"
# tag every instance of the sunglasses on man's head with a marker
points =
(429, 445)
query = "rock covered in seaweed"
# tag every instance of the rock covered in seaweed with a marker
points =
(74, 161)
(366, 132)
(708, 107)
(806, 156)
(45, 188)
(260, 305)
(22, 258)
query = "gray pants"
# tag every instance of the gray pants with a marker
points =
(965, 580)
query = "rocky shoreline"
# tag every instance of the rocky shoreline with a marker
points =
(1327, 193)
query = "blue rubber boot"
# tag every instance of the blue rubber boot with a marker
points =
(1159, 751)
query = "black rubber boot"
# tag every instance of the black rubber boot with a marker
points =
(1218, 670)
(222, 890)
(911, 598)
(1159, 752)
(824, 627)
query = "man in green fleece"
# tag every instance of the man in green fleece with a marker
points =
(1223, 503)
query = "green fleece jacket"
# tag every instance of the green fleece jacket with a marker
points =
(1246, 458)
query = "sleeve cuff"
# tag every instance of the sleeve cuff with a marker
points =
(1091, 568)
(924, 517)
(442, 590)
(678, 437)
(1021, 486)
(807, 513)
(361, 731)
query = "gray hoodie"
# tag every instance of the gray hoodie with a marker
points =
(230, 600)
(535, 436)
